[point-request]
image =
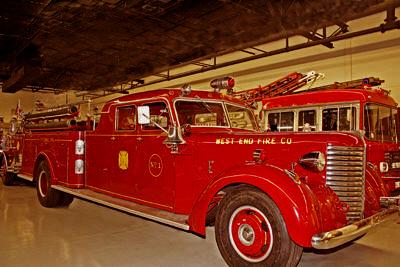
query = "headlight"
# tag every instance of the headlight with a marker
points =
(314, 161)
(383, 167)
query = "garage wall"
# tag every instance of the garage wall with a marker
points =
(375, 55)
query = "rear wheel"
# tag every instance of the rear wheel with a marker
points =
(47, 196)
(250, 231)
(7, 178)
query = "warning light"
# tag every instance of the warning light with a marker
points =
(222, 83)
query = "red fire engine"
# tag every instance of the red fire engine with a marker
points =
(354, 106)
(191, 158)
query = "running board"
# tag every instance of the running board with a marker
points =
(25, 177)
(162, 216)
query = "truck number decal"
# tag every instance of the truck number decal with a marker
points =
(155, 165)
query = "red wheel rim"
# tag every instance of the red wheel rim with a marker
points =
(250, 234)
(43, 184)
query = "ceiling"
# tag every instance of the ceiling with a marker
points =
(87, 45)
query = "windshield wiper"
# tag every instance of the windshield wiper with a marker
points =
(207, 106)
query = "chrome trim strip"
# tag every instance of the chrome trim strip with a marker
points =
(347, 179)
(352, 199)
(345, 188)
(335, 157)
(349, 194)
(345, 148)
(345, 174)
(349, 153)
(349, 183)
(344, 168)
(115, 206)
(337, 237)
(25, 177)
(344, 163)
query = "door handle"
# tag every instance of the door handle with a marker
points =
(140, 139)
(113, 138)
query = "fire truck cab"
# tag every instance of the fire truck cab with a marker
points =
(194, 158)
(355, 107)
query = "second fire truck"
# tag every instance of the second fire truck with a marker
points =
(357, 106)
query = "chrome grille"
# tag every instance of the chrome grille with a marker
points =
(345, 175)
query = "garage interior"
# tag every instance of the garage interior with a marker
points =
(57, 52)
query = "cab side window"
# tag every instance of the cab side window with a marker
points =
(126, 118)
(281, 121)
(339, 119)
(347, 119)
(330, 119)
(307, 120)
(158, 114)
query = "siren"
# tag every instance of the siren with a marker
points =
(223, 83)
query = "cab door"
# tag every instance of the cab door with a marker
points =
(155, 167)
(122, 152)
(111, 154)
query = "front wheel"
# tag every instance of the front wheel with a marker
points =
(47, 196)
(250, 231)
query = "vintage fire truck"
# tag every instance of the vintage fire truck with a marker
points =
(189, 159)
(355, 106)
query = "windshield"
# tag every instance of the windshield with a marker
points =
(201, 113)
(241, 117)
(380, 122)
(212, 114)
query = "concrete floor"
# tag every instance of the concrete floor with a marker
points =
(86, 234)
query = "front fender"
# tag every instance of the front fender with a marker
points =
(374, 190)
(296, 202)
(49, 158)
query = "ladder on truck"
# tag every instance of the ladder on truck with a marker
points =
(282, 86)
(364, 83)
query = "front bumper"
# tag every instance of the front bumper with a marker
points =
(337, 237)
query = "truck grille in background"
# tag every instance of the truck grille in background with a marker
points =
(345, 175)
(393, 159)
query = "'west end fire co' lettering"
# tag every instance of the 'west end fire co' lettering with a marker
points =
(250, 141)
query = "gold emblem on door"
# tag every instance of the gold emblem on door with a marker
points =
(123, 160)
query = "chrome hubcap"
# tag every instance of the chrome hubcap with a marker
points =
(246, 234)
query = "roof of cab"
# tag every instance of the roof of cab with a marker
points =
(175, 93)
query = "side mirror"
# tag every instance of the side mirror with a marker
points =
(144, 115)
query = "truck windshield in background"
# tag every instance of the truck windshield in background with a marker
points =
(380, 123)
(213, 114)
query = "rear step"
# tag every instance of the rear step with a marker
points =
(169, 218)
